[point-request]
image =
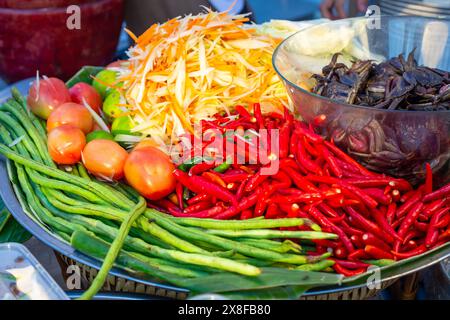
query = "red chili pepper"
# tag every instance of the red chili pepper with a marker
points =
(306, 162)
(441, 193)
(215, 178)
(263, 201)
(428, 179)
(421, 226)
(282, 180)
(237, 177)
(369, 225)
(350, 230)
(289, 163)
(255, 181)
(309, 148)
(285, 133)
(208, 213)
(390, 214)
(258, 115)
(410, 218)
(179, 191)
(412, 234)
(415, 252)
(300, 181)
(168, 206)
(200, 168)
(272, 211)
(202, 185)
(324, 222)
(434, 206)
(410, 245)
(370, 239)
(405, 208)
(382, 222)
(346, 158)
(340, 253)
(303, 131)
(407, 196)
(329, 211)
(329, 158)
(241, 190)
(378, 195)
(396, 195)
(244, 204)
(443, 222)
(246, 214)
(351, 264)
(378, 253)
(199, 198)
(358, 255)
(357, 241)
(243, 112)
(200, 206)
(445, 236)
(346, 272)
(433, 232)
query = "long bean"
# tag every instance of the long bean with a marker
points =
(155, 230)
(113, 252)
(319, 266)
(141, 246)
(247, 250)
(276, 246)
(272, 234)
(17, 129)
(241, 224)
(14, 108)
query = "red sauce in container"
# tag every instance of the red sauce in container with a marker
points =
(34, 36)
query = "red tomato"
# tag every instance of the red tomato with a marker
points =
(84, 91)
(150, 172)
(73, 114)
(65, 144)
(46, 96)
(105, 159)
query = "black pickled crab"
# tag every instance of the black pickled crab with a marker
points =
(397, 83)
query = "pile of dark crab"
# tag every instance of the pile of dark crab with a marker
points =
(395, 84)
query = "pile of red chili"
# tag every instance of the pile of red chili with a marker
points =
(375, 216)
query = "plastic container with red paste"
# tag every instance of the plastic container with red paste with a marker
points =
(34, 36)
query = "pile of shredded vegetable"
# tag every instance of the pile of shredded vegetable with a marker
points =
(191, 68)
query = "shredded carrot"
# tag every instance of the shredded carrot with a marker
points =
(191, 68)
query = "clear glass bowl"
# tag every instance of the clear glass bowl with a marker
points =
(394, 142)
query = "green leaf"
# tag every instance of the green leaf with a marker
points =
(10, 229)
(269, 278)
(13, 232)
(4, 217)
(84, 75)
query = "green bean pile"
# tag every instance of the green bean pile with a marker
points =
(111, 222)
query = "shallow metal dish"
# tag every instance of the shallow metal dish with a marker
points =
(356, 290)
